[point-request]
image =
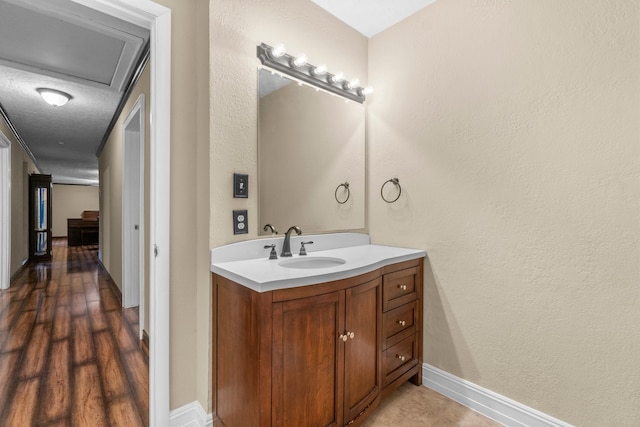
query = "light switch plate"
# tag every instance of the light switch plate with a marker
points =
(240, 185)
(240, 222)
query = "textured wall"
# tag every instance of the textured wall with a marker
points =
(69, 201)
(513, 127)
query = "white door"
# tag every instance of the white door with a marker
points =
(133, 209)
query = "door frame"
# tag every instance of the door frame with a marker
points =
(156, 18)
(5, 211)
(130, 283)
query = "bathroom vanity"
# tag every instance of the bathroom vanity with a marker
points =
(318, 342)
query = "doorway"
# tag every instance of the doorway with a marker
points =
(133, 209)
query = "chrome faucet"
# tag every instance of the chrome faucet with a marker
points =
(286, 246)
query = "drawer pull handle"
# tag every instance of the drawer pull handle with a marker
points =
(403, 287)
(400, 357)
(344, 337)
(402, 322)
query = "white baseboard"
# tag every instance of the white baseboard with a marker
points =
(490, 404)
(190, 415)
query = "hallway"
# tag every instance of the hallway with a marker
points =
(69, 353)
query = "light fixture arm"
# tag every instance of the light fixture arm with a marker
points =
(306, 74)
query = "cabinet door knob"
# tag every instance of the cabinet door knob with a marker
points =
(402, 286)
(399, 356)
(402, 322)
(351, 335)
(344, 337)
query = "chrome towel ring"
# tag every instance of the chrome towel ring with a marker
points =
(346, 187)
(394, 181)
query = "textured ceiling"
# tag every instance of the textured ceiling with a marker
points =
(61, 45)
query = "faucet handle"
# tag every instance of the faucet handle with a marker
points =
(273, 254)
(303, 250)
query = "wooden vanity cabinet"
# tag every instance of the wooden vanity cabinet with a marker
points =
(308, 356)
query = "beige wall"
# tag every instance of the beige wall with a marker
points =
(69, 201)
(21, 168)
(309, 143)
(513, 127)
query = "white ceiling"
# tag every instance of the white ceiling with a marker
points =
(61, 45)
(372, 16)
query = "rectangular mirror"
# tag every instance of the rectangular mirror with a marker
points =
(309, 143)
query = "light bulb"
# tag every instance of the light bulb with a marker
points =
(300, 60)
(337, 77)
(278, 51)
(365, 91)
(319, 70)
(353, 84)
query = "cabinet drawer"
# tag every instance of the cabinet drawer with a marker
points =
(399, 288)
(399, 323)
(399, 358)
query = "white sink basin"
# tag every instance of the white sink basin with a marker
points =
(312, 262)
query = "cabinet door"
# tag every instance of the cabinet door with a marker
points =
(362, 362)
(307, 383)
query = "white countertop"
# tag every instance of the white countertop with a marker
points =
(262, 274)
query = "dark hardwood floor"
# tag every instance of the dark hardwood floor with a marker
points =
(69, 353)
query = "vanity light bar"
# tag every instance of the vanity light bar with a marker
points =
(296, 66)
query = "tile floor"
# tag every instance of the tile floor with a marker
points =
(418, 406)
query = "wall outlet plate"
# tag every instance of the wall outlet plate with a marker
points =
(240, 222)
(240, 185)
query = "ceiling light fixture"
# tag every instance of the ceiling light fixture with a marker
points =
(277, 59)
(54, 97)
